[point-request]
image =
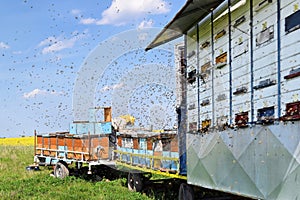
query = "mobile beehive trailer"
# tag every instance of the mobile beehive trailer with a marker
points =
(96, 142)
(89, 142)
(147, 151)
(239, 95)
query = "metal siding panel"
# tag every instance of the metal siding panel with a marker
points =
(206, 109)
(221, 76)
(291, 2)
(293, 48)
(239, 81)
(249, 149)
(266, 13)
(265, 92)
(268, 72)
(291, 86)
(262, 52)
(221, 88)
(290, 62)
(241, 61)
(240, 49)
(242, 106)
(205, 94)
(290, 97)
(222, 108)
(223, 41)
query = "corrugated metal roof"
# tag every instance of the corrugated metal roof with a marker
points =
(191, 13)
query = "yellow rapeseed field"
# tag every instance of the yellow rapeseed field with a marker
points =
(22, 141)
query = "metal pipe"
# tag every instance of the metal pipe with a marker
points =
(212, 71)
(230, 66)
(198, 78)
(278, 59)
(251, 63)
(183, 111)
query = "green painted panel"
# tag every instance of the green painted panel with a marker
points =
(239, 182)
(192, 158)
(266, 161)
(200, 173)
(290, 188)
(219, 162)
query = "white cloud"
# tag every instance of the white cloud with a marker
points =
(3, 46)
(53, 44)
(48, 41)
(143, 36)
(17, 52)
(33, 93)
(122, 12)
(88, 21)
(75, 12)
(146, 24)
(112, 87)
(58, 46)
(36, 92)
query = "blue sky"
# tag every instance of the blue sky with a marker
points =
(43, 45)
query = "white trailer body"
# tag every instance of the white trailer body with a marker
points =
(242, 95)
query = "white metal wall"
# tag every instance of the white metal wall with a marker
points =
(212, 84)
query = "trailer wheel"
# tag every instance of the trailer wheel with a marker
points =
(61, 170)
(135, 182)
(186, 192)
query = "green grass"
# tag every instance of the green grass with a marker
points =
(17, 183)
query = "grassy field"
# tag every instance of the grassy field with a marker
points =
(18, 183)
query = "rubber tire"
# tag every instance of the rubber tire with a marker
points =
(186, 192)
(61, 170)
(135, 182)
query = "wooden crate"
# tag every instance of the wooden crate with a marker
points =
(100, 148)
(53, 145)
(119, 141)
(174, 144)
(157, 162)
(149, 144)
(135, 143)
(39, 141)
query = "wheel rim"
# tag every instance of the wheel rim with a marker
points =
(58, 171)
(130, 181)
(135, 182)
(61, 171)
(186, 192)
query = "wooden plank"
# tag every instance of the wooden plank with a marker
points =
(107, 114)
